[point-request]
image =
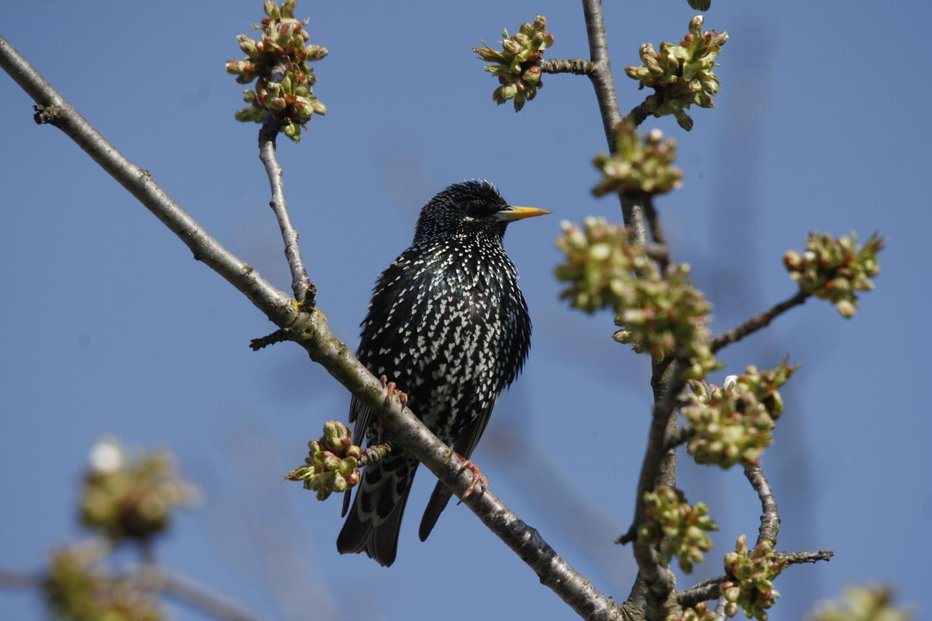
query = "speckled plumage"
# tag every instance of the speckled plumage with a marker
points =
(448, 324)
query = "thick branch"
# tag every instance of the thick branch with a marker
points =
(310, 330)
(769, 518)
(655, 583)
(758, 321)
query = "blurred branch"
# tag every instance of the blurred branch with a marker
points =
(200, 597)
(758, 321)
(155, 579)
(310, 330)
(19, 579)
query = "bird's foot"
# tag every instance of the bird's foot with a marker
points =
(477, 478)
(391, 391)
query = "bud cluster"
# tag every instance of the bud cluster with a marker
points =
(636, 167)
(74, 589)
(289, 99)
(680, 74)
(599, 264)
(517, 65)
(676, 528)
(734, 424)
(332, 464)
(666, 316)
(659, 313)
(132, 500)
(835, 269)
(750, 576)
(863, 603)
(699, 612)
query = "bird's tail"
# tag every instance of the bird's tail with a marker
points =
(374, 519)
(435, 506)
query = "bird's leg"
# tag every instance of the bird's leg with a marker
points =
(477, 478)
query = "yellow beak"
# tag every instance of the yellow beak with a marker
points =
(519, 213)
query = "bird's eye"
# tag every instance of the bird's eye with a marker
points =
(480, 209)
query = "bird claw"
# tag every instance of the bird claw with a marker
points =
(391, 391)
(477, 479)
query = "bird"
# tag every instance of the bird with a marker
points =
(449, 326)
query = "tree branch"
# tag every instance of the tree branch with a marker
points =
(639, 113)
(19, 579)
(711, 588)
(199, 597)
(758, 321)
(577, 66)
(304, 290)
(655, 583)
(310, 330)
(139, 183)
(661, 252)
(769, 518)
(604, 85)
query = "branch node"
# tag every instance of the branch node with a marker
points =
(279, 336)
(46, 114)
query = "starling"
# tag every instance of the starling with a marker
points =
(449, 326)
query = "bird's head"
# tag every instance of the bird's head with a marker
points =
(470, 207)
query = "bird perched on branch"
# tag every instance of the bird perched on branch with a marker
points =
(449, 326)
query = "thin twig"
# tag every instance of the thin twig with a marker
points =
(769, 517)
(375, 453)
(662, 253)
(19, 579)
(758, 321)
(301, 285)
(605, 94)
(720, 614)
(678, 436)
(639, 113)
(577, 66)
(702, 592)
(310, 330)
(139, 183)
(798, 558)
(200, 597)
(279, 336)
(711, 588)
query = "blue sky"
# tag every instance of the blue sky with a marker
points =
(109, 327)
